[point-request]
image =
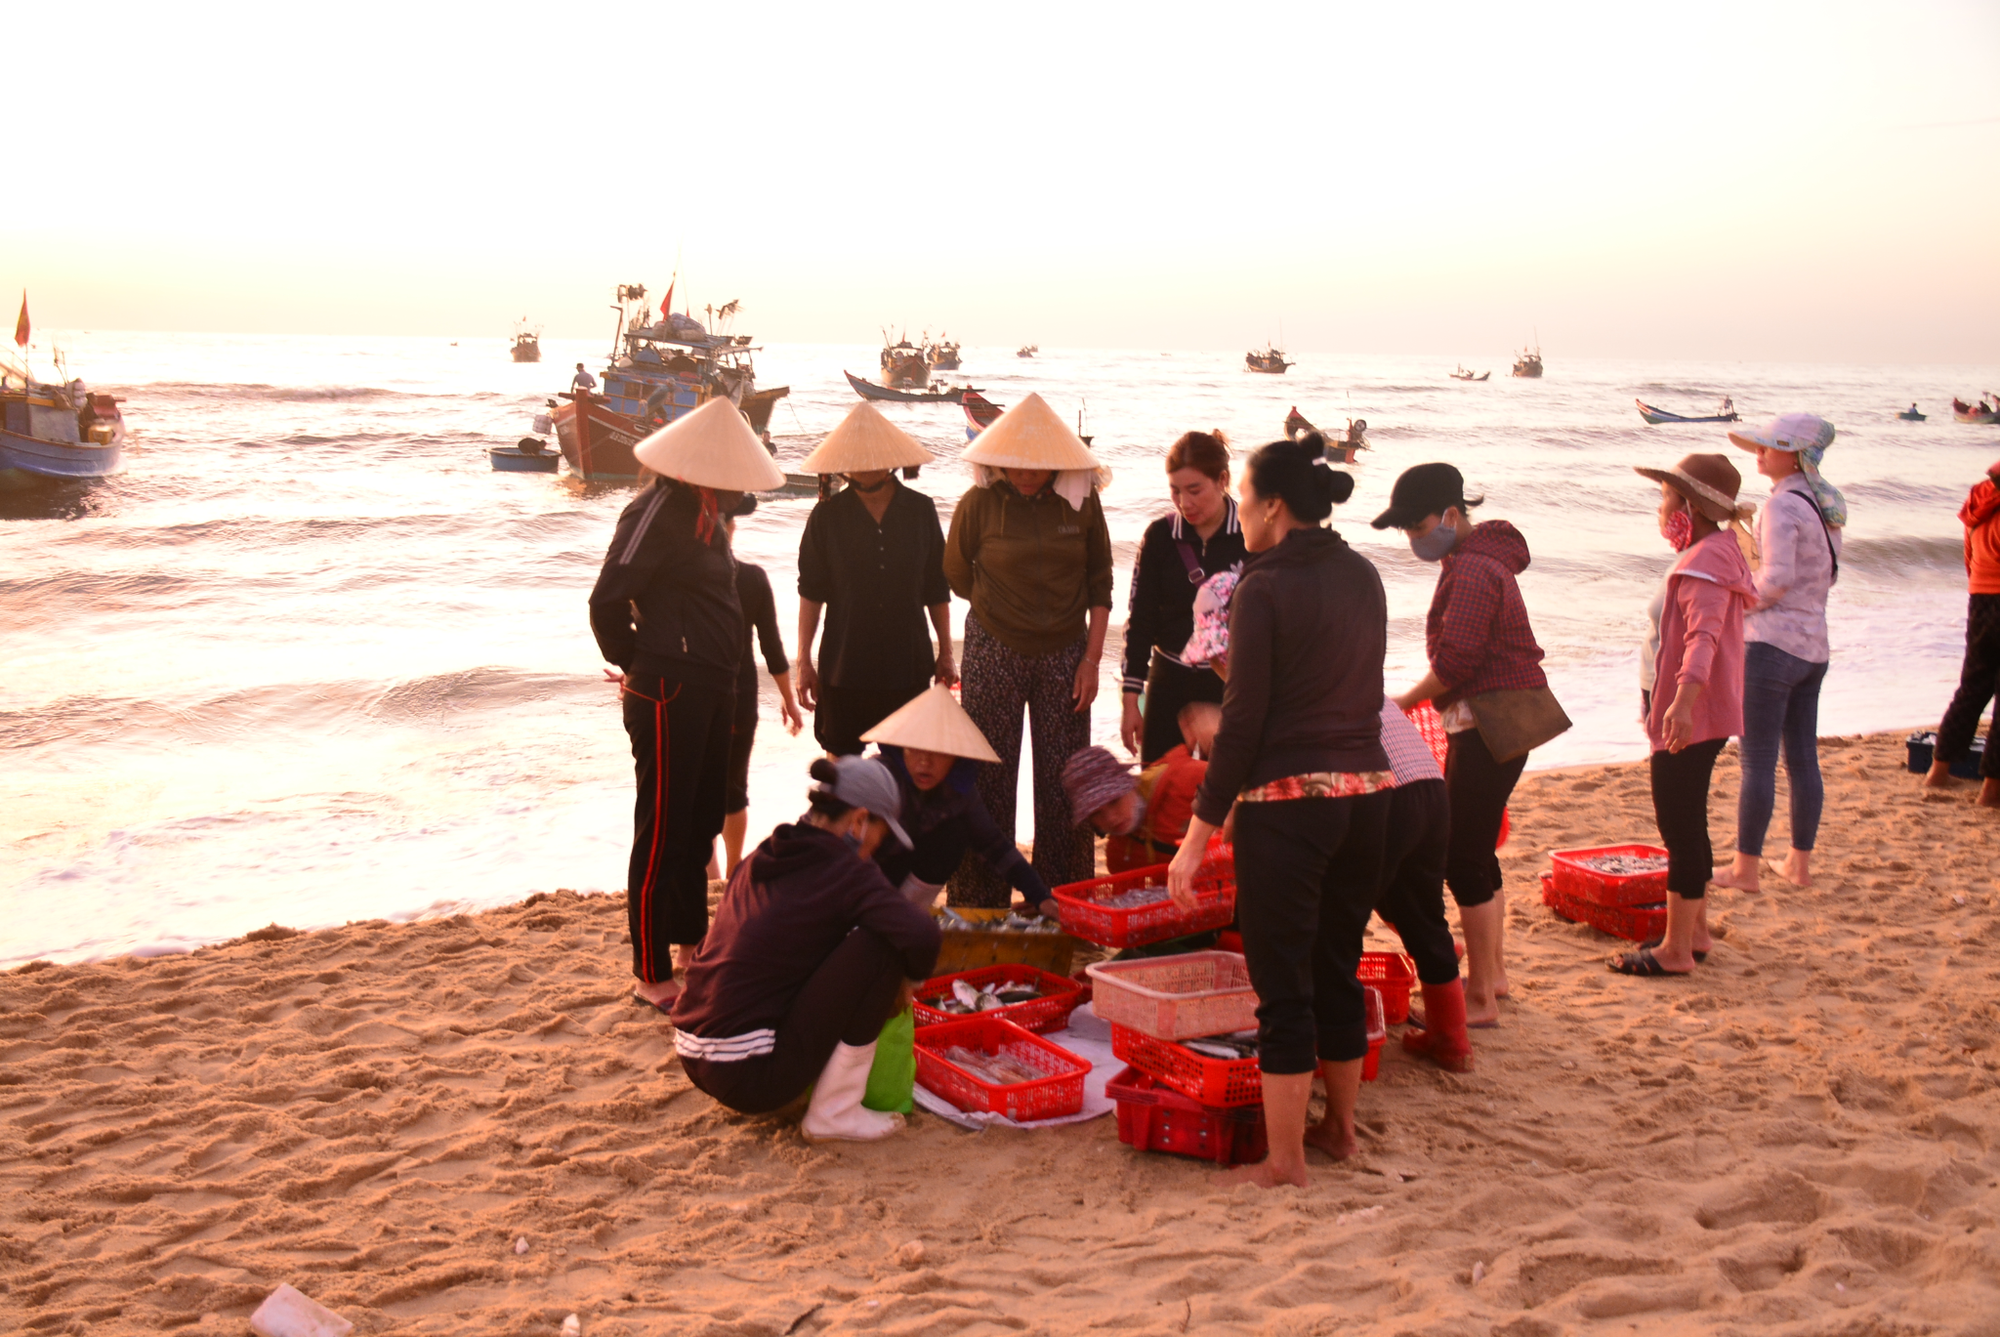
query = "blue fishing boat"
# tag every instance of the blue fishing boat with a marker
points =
(531, 455)
(58, 431)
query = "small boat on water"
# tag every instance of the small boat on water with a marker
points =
(1271, 361)
(1027, 350)
(1910, 414)
(980, 413)
(942, 355)
(529, 455)
(527, 343)
(1463, 375)
(1529, 364)
(1984, 412)
(903, 365)
(1344, 451)
(948, 394)
(56, 431)
(1726, 413)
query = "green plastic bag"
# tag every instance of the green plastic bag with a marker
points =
(894, 1076)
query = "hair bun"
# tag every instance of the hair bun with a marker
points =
(824, 771)
(1339, 486)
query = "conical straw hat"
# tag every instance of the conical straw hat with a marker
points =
(1029, 436)
(934, 722)
(712, 447)
(866, 440)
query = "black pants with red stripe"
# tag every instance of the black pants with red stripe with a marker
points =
(680, 750)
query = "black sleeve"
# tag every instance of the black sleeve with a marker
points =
(1141, 617)
(643, 544)
(909, 931)
(761, 611)
(935, 590)
(815, 575)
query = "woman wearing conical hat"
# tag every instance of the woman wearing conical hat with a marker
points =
(935, 752)
(871, 559)
(1029, 549)
(665, 612)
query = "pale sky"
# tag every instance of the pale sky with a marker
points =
(1818, 182)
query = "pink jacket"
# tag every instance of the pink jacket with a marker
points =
(1701, 638)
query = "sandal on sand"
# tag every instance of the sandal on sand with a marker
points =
(1643, 962)
(664, 1008)
(1650, 943)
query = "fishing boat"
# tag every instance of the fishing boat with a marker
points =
(942, 355)
(1727, 413)
(1027, 350)
(903, 365)
(1271, 361)
(659, 371)
(948, 394)
(530, 455)
(1965, 412)
(56, 431)
(1463, 375)
(980, 413)
(1529, 364)
(1346, 451)
(527, 343)
(1910, 414)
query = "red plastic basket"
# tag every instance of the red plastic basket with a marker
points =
(1176, 997)
(1215, 897)
(1635, 923)
(1061, 996)
(1394, 974)
(1050, 1097)
(1153, 1117)
(1225, 1083)
(1431, 725)
(1572, 878)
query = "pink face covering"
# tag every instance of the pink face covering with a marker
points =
(1679, 531)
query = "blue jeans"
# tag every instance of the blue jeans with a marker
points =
(1780, 701)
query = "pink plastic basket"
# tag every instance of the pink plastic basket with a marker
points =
(1573, 878)
(1215, 904)
(1050, 1097)
(1061, 996)
(1176, 997)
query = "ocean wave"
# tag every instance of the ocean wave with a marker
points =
(288, 394)
(66, 593)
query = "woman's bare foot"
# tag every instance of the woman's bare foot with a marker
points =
(1989, 794)
(1743, 874)
(1796, 868)
(1940, 776)
(1335, 1142)
(1481, 1013)
(1266, 1173)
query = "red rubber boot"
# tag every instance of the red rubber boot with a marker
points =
(1439, 1034)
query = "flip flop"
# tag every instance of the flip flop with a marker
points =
(1643, 963)
(1650, 943)
(664, 1009)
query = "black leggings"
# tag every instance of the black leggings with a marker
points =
(680, 754)
(1169, 686)
(1480, 788)
(1413, 857)
(846, 1001)
(742, 738)
(1308, 872)
(1978, 681)
(1680, 808)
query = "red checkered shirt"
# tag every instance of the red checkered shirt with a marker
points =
(1477, 634)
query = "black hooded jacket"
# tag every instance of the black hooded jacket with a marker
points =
(665, 602)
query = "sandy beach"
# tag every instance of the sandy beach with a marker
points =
(1803, 1139)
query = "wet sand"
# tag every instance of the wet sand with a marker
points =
(1803, 1138)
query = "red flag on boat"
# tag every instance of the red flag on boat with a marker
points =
(667, 306)
(21, 325)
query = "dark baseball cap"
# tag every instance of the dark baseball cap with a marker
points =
(1426, 489)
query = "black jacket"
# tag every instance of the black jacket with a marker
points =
(1308, 627)
(1161, 610)
(665, 601)
(787, 907)
(946, 823)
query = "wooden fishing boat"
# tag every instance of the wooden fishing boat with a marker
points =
(1529, 364)
(903, 365)
(1965, 412)
(58, 431)
(980, 413)
(1271, 361)
(798, 485)
(1463, 375)
(869, 390)
(1658, 416)
(660, 370)
(527, 343)
(1345, 451)
(1027, 350)
(942, 355)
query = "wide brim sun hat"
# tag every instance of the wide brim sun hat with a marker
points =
(712, 447)
(1788, 431)
(1710, 484)
(866, 441)
(1030, 435)
(933, 721)
(1091, 778)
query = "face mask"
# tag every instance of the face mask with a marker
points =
(1679, 531)
(1433, 547)
(853, 840)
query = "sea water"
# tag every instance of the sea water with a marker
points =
(310, 660)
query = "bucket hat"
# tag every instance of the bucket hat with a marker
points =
(711, 447)
(1092, 777)
(1807, 435)
(933, 721)
(864, 441)
(1710, 484)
